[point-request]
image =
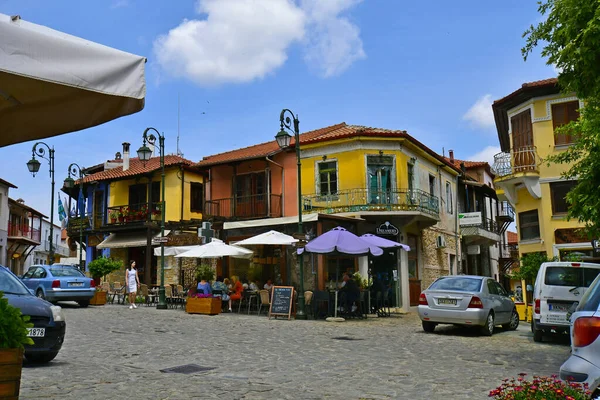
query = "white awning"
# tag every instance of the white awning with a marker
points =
(125, 240)
(174, 250)
(282, 221)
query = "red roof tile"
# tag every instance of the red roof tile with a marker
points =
(550, 82)
(512, 237)
(468, 164)
(136, 167)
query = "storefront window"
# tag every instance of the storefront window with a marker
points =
(337, 266)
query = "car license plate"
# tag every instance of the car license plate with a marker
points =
(36, 332)
(76, 284)
(558, 307)
(447, 301)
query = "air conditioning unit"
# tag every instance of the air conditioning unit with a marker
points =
(440, 242)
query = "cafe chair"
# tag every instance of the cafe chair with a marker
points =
(308, 295)
(252, 298)
(169, 296)
(118, 291)
(265, 300)
(320, 301)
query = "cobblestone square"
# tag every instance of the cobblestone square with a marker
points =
(115, 352)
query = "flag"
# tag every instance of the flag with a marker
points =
(62, 215)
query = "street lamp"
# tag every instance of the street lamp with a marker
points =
(283, 140)
(144, 154)
(69, 183)
(34, 166)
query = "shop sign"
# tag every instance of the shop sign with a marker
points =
(470, 218)
(596, 247)
(387, 229)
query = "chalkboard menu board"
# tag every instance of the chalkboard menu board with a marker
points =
(281, 301)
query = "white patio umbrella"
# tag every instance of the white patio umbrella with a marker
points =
(53, 83)
(216, 249)
(268, 238)
(174, 250)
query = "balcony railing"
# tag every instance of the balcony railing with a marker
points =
(58, 249)
(487, 224)
(134, 213)
(505, 210)
(509, 251)
(24, 231)
(363, 199)
(522, 159)
(245, 207)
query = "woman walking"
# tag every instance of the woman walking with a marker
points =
(131, 277)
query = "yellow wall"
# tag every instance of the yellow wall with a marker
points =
(119, 193)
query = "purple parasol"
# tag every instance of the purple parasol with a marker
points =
(383, 243)
(339, 240)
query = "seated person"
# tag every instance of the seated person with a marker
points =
(219, 285)
(236, 289)
(253, 286)
(350, 293)
(269, 285)
(204, 287)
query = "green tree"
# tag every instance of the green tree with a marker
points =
(570, 40)
(530, 265)
(103, 266)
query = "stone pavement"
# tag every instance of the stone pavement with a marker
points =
(114, 352)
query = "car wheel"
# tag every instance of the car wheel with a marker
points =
(537, 335)
(83, 303)
(488, 328)
(40, 358)
(428, 326)
(40, 294)
(513, 324)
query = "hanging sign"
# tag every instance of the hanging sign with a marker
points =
(387, 229)
(470, 218)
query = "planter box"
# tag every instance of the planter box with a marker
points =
(99, 298)
(208, 305)
(11, 361)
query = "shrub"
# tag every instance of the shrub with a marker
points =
(205, 272)
(13, 326)
(103, 266)
(541, 387)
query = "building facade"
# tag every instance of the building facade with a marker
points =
(526, 121)
(4, 219)
(24, 234)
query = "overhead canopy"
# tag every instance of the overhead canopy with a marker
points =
(174, 250)
(268, 238)
(382, 242)
(340, 241)
(216, 249)
(123, 240)
(53, 83)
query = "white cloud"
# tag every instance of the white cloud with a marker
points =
(119, 4)
(480, 114)
(486, 154)
(243, 40)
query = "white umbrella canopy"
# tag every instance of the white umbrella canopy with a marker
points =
(53, 83)
(216, 249)
(268, 238)
(174, 250)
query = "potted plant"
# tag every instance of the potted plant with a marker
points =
(541, 387)
(113, 214)
(121, 214)
(156, 213)
(13, 338)
(99, 268)
(203, 303)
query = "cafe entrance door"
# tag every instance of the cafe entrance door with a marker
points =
(384, 271)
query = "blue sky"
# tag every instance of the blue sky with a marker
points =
(431, 68)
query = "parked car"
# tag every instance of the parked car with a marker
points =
(467, 300)
(48, 332)
(558, 286)
(583, 366)
(58, 282)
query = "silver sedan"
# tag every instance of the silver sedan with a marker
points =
(467, 300)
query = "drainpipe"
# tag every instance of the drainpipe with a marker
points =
(182, 190)
(456, 236)
(282, 181)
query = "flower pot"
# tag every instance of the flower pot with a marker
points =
(113, 220)
(99, 298)
(209, 305)
(11, 361)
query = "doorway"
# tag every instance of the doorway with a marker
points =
(384, 270)
(138, 254)
(414, 278)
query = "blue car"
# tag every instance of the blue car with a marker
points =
(59, 282)
(49, 326)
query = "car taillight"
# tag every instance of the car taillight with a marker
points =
(536, 308)
(585, 331)
(475, 302)
(575, 264)
(92, 283)
(422, 299)
(55, 284)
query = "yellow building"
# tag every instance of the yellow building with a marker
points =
(123, 208)
(526, 121)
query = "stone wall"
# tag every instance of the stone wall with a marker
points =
(435, 260)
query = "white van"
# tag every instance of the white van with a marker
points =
(558, 285)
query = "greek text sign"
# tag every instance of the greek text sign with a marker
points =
(470, 218)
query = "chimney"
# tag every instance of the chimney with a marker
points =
(451, 155)
(125, 156)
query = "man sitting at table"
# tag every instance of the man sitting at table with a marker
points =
(349, 293)
(269, 285)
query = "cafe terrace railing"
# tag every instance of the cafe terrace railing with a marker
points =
(245, 207)
(522, 159)
(24, 231)
(362, 199)
(134, 213)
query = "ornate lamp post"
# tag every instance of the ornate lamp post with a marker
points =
(34, 166)
(144, 154)
(69, 183)
(283, 140)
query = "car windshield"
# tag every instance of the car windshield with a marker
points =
(570, 276)
(62, 270)
(10, 284)
(461, 284)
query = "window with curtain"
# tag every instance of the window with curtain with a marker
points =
(328, 181)
(529, 225)
(432, 185)
(379, 171)
(449, 207)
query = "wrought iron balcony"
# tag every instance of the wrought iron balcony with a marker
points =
(58, 249)
(24, 231)
(363, 199)
(245, 207)
(505, 210)
(134, 213)
(522, 159)
(487, 224)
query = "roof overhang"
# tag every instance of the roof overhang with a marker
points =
(314, 217)
(124, 240)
